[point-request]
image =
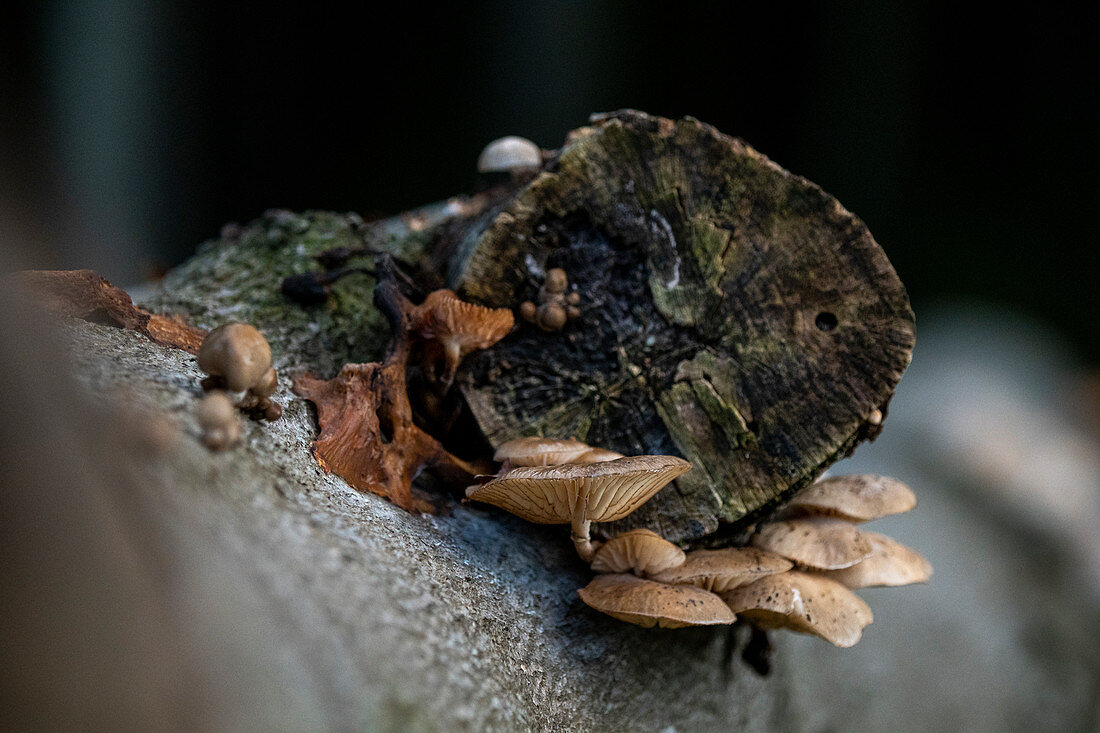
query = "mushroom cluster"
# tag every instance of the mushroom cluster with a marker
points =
(798, 574)
(237, 358)
(556, 305)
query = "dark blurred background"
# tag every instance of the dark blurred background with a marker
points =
(967, 140)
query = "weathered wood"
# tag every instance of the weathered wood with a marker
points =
(733, 313)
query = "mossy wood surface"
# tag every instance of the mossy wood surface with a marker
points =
(733, 313)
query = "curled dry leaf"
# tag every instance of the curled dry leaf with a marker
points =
(368, 437)
(86, 295)
(646, 603)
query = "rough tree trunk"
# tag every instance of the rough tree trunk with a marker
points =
(733, 313)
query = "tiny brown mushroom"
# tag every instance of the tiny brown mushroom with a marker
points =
(454, 328)
(810, 604)
(537, 451)
(528, 311)
(551, 317)
(217, 418)
(890, 563)
(556, 281)
(579, 494)
(237, 355)
(858, 498)
(646, 603)
(639, 551)
(726, 569)
(813, 542)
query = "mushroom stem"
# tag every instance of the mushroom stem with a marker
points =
(582, 540)
(452, 356)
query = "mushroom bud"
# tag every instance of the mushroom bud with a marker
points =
(237, 355)
(512, 154)
(218, 420)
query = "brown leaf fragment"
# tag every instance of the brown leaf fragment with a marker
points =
(86, 295)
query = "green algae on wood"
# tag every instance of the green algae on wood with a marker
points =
(734, 314)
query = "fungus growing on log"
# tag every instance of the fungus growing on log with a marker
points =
(889, 564)
(238, 358)
(725, 569)
(639, 551)
(821, 544)
(579, 494)
(706, 268)
(452, 328)
(555, 306)
(802, 602)
(646, 603)
(536, 451)
(368, 436)
(217, 418)
(855, 498)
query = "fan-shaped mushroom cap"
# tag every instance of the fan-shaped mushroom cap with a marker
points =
(460, 327)
(638, 551)
(580, 493)
(508, 154)
(646, 603)
(722, 570)
(536, 451)
(890, 563)
(237, 353)
(859, 498)
(814, 542)
(807, 603)
(599, 492)
(597, 455)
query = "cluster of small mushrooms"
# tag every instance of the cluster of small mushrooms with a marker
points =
(237, 359)
(798, 574)
(555, 306)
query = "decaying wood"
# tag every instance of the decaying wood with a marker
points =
(368, 436)
(734, 314)
(85, 294)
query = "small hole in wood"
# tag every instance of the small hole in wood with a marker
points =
(825, 321)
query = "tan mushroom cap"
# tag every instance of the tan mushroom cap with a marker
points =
(646, 603)
(638, 551)
(891, 563)
(237, 353)
(858, 498)
(597, 455)
(814, 542)
(460, 327)
(810, 604)
(536, 451)
(509, 153)
(722, 570)
(601, 492)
